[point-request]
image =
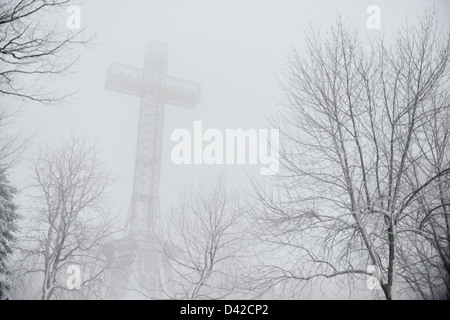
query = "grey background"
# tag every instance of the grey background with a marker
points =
(235, 49)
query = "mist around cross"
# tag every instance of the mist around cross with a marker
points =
(209, 150)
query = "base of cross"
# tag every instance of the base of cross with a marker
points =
(138, 269)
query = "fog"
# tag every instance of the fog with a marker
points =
(236, 50)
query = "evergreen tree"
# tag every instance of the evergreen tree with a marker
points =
(8, 227)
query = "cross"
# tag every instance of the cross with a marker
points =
(155, 89)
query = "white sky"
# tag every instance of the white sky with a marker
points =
(234, 48)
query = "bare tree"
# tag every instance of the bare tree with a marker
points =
(426, 261)
(350, 124)
(204, 243)
(69, 223)
(32, 50)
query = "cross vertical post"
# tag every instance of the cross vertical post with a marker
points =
(155, 89)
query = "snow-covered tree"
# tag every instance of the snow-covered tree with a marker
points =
(68, 223)
(204, 242)
(363, 173)
(8, 227)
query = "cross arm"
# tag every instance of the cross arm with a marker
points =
(125, 79)
(135, 82)
(181, 93)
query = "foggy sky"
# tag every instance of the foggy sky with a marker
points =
(234, 49)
